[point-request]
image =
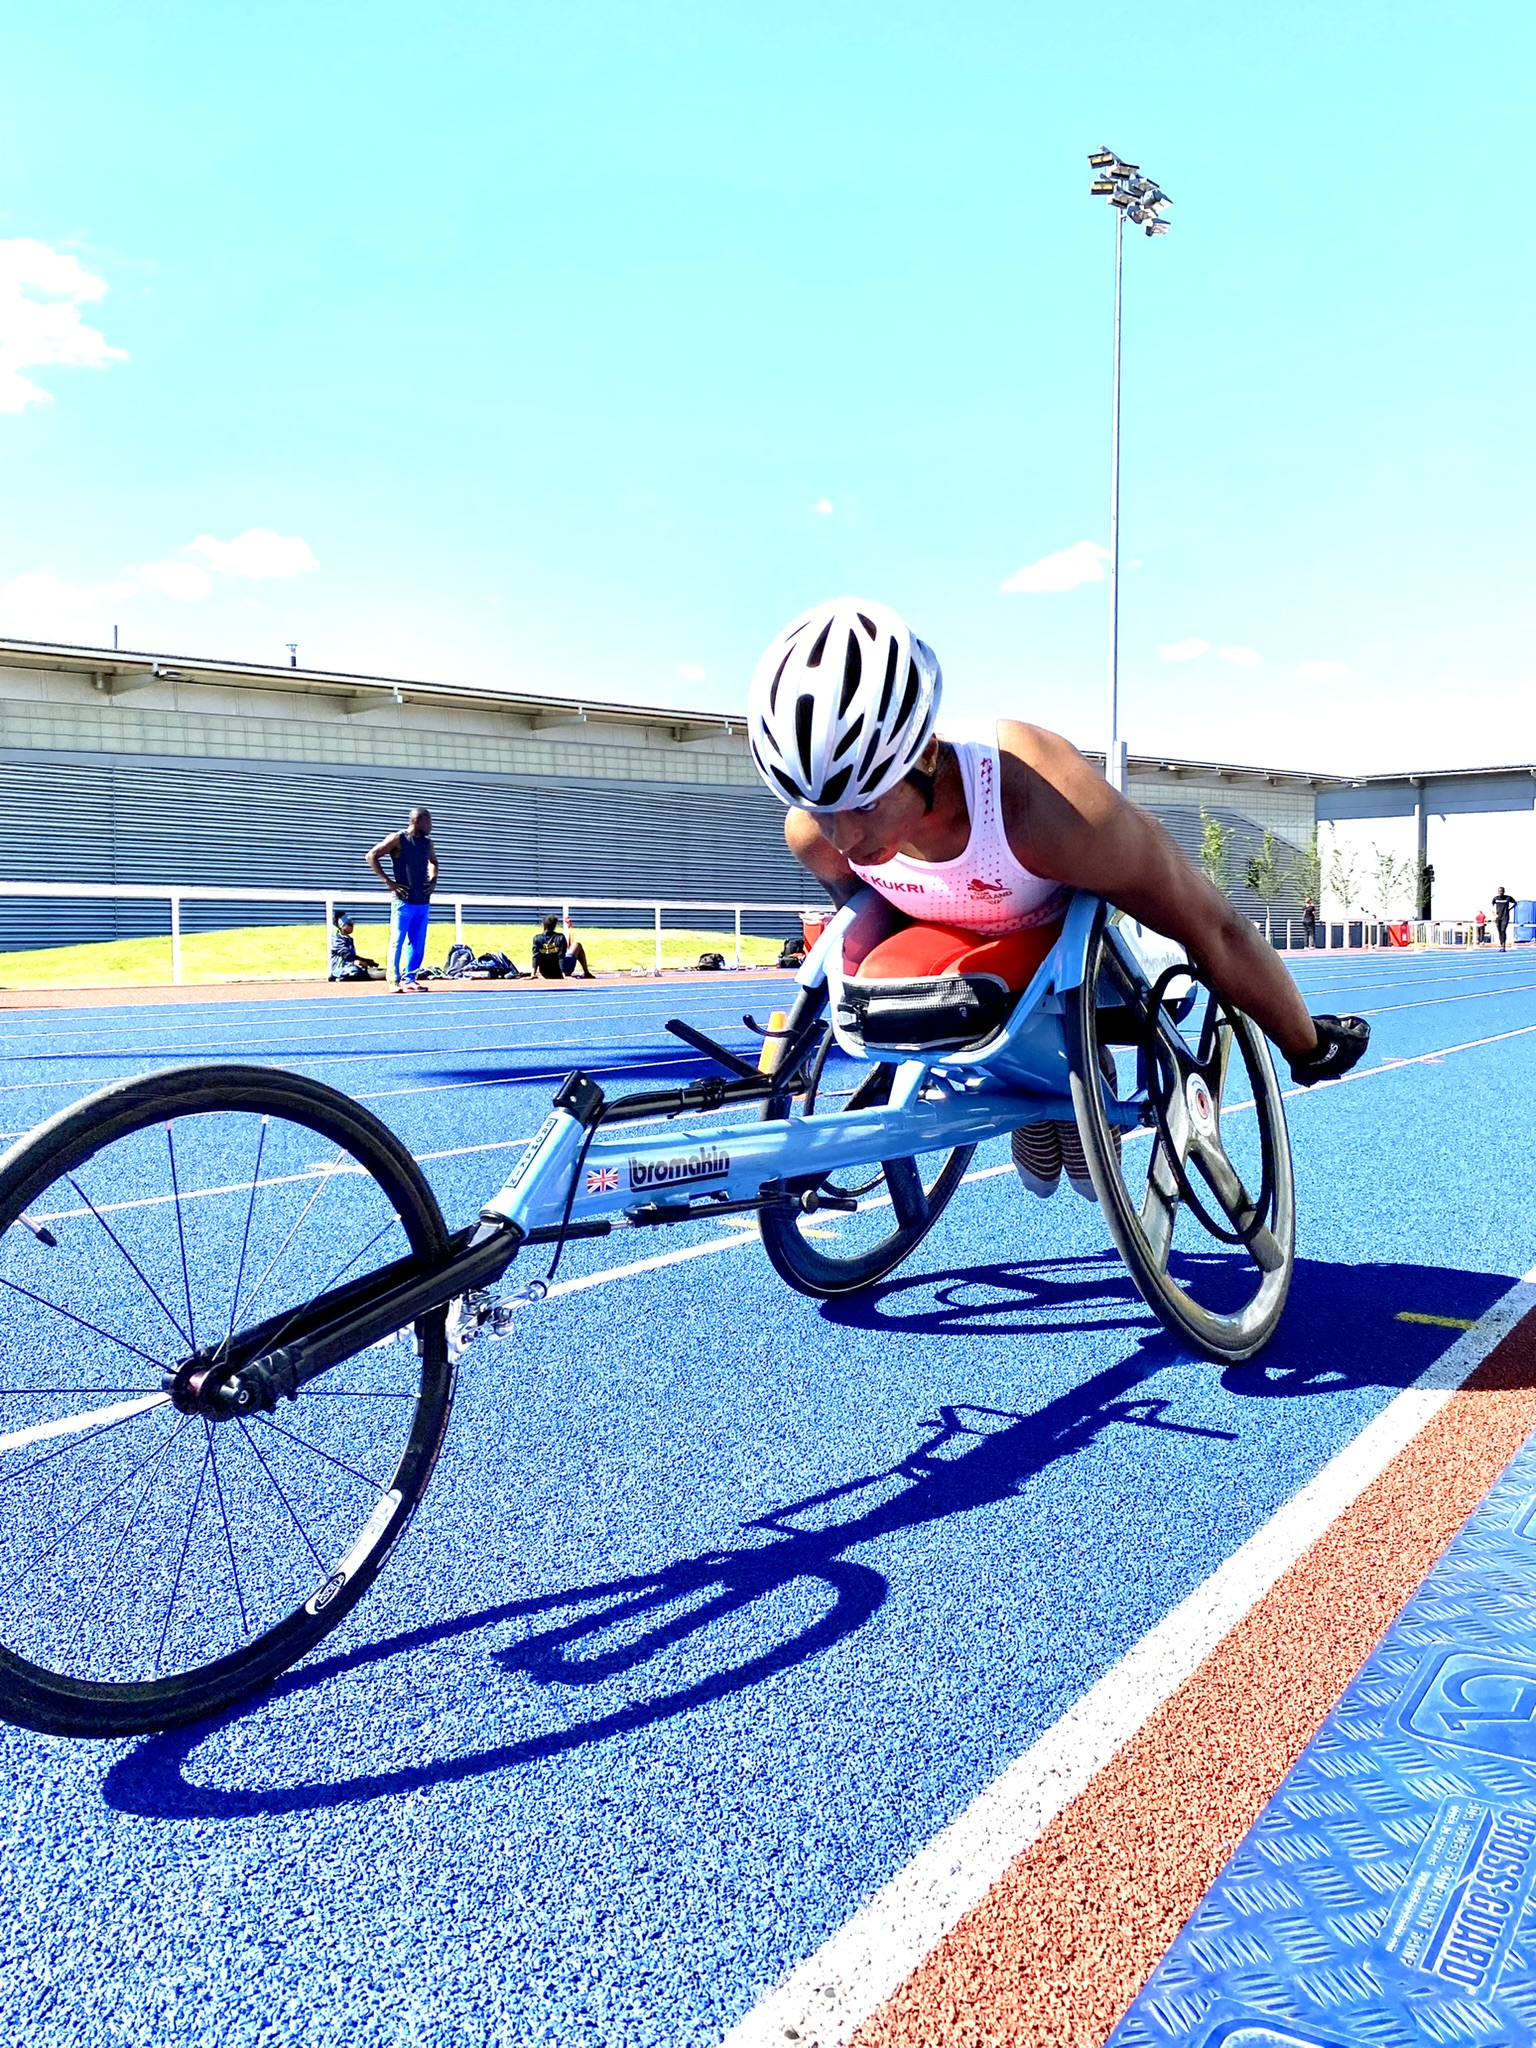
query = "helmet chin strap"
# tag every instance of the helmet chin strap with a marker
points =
(925, 784)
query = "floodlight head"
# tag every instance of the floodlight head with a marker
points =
(1125, 170)
(1101, 159)
(1119, 198)
(1158, 227)
(1101, 188)
(1143, 188)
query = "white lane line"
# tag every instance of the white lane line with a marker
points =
(825, 1999)
(71, 1425)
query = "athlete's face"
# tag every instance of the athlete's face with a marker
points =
(868, 838)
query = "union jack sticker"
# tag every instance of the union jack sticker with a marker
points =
(602, 1180)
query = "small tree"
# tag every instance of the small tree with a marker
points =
(1215, 851)
(1265, 876)
(1307, 869)
(1343, 872)
(1392, 879)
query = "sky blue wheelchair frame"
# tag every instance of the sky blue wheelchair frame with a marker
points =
(1048, 1062)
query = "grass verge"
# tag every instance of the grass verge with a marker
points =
(298, 952)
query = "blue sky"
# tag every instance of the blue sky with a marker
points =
(528, 341)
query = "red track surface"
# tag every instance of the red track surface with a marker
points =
(1056, 1952)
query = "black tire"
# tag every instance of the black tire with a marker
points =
(915, 1191)
(84, 1652)
(1238, 1245)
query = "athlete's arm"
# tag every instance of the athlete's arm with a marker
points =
(1065, 822)
(390, 846)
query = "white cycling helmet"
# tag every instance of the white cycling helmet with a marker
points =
(842, 705)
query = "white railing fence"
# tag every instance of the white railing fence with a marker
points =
(1334, 934)
(332, 899)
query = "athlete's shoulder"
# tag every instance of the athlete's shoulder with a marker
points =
(1033, 752)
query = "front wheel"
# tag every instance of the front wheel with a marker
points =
(1200, 1198)
(156, 1566)
(865, 1220)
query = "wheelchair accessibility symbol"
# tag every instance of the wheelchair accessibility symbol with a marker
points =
(1477, 1702)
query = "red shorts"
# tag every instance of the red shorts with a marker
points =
(923, 949)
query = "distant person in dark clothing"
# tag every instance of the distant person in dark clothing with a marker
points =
(1309, 923)
(1503, 906)
(556, 954)
(347, 964)
(413, 858)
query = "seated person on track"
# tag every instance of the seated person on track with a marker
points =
(556, 954)
(347, 964)
(978, 834)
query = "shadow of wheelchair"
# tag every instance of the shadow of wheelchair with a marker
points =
(1341, 1335)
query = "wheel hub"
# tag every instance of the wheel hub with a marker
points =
(1201, 1105)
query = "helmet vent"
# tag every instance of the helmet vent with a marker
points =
(914, 685)
(778, 677)
(853, 668)
(848, 738)
(805, 711)
(867, 624)
(813, 659)
(890, 682)
(833, 789)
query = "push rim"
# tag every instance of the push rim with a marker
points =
(155, 1566)
(1200, 1199)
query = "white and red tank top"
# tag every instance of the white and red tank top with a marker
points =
(983, 889)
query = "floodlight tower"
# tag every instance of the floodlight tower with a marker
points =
(1140, 201)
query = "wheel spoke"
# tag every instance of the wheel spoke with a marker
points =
(181, 1235)
(245, 1238)
(85, 1324)
(229, 1534)
(255, 1449)
(181, 1562)
(39, 1556)
(305, 1445)
(88, 1606)
(128, 1255)
(326, 1177)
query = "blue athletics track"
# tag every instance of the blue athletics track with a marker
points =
(762, 1670)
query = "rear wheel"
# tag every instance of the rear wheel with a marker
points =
(155, 1566)
(887, 1208)
(1201, 1199)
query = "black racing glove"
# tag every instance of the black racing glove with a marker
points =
(1340, 1043)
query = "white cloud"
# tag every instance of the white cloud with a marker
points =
(177, 579)
(1321, 671)
(1083, 562)
(258, 552)
(1241, 657)
(41, 293)
(824, 507)
(38, 605)
(1184, 650)
(691, 672)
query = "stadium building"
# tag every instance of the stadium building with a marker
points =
(129, 767)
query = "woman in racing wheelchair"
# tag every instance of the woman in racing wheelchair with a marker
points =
(973, 839)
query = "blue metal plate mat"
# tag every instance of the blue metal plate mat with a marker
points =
(1383, 1899)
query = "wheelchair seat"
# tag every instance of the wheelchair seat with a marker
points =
(935, 987)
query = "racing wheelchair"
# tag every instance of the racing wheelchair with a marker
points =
(233, 1312)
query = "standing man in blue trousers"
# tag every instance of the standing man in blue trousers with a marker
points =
(413, 858)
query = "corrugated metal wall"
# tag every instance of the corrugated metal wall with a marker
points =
(174, 820)
(248, 823)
